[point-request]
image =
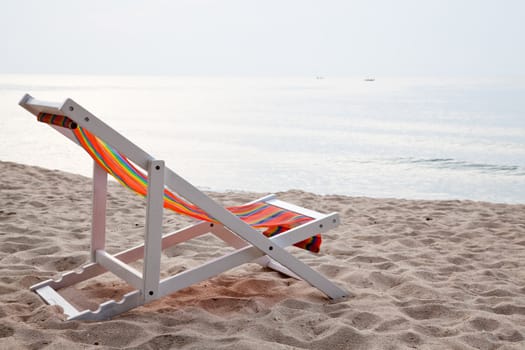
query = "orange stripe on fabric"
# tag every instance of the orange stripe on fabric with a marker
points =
(129, 181)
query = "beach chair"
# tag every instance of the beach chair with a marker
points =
(282, 224)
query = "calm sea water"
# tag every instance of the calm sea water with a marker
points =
(393, 137)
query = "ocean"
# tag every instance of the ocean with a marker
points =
(414, 138)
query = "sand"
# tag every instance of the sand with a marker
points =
(422, 275)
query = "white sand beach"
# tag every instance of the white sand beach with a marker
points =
(422, 275)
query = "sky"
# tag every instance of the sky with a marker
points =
(264, 38)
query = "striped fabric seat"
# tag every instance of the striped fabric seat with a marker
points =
(269, 219)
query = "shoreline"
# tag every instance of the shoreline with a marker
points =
(426, 274)
(261, 193)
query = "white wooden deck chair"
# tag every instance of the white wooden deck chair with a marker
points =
(250, 245)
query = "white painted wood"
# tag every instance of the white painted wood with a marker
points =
(212, 268)
(185, 234)
(98, 224)
(120, 269)
(153, 234)
(50, 296)
(168, 240)
(295, 208)
(70, 278)
(87, 120)
(24, 101)
(111, 308)
(262, 199)
(36, 106)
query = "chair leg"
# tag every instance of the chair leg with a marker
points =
(98, 224)
(153, 234)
